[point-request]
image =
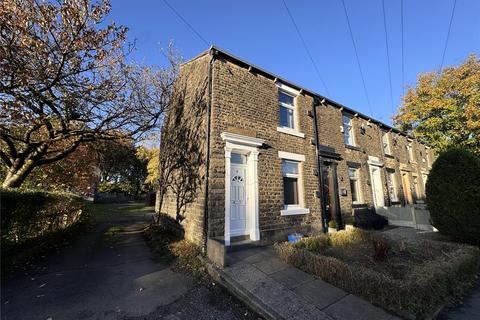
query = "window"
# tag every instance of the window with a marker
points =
(294, 201)
(290, 183)
(424, 180)
(287, 110)
(427, 156)
(238, 158)
(353, 174)
(410, 152)
(386, 143)
(391, 184)
(348, 131)
(415, 189)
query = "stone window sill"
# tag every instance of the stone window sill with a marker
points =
(289, 211)
(290, 131)
(353, 147)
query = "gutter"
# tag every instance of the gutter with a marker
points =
(207, 160)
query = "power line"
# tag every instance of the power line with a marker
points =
(403, 60)
(186, 22)
(305, 47)
(388, 55)
(356, 56)
(448, 35)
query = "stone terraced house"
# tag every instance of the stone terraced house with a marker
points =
(263, 157)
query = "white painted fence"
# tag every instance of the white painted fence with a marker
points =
(414, 216)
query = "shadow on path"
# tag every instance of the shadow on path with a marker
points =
(109, 273)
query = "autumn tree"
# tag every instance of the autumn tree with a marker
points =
(65, 80)
(78, 172)
(443, 110)
(119, 166)
(149, 151)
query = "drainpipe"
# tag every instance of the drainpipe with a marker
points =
(316, 102)
(207, 161)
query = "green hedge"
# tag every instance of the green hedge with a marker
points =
(453, 195)
(34, 218)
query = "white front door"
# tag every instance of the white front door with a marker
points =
(238, 201)
(377, 186)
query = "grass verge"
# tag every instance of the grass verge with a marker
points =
(409, 279)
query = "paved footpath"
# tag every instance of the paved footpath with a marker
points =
(103, 278)
(280, 291)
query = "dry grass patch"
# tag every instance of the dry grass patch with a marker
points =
(167, 240)
(410, 279)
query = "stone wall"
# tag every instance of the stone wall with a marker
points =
(184, 145)
(246, 102)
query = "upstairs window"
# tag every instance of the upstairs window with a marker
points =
(290, 182)
(410, 152)
(386, 143)
(348, 131)
(287, 110)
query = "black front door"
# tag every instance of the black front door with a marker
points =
(330, 193)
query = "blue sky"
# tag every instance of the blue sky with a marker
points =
(261, 32)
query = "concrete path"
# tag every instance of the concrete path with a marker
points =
(99, 277)
(280, 291)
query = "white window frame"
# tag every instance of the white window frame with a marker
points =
(386, 143)
(391, 183)
(296, 209)
(411, 155)
(357, 184)
(293, 93)
(348, 128)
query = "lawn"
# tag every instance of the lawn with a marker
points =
(98, 209)
(407, 278)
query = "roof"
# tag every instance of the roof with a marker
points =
(241, 62)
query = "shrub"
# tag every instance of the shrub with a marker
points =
(349, 237)
(332, 224)
(162, 234)
(314, 244)
(34, 220)
(381, 248)
(321, 242)
(30, 214)
(453, 195)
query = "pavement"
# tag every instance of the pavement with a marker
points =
(112, 277)
(277, 290)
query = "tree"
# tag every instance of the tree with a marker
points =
(64, 81)
(77, 172)
(453, 195)
(149, 151)
(443, 110)
(120, 167)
